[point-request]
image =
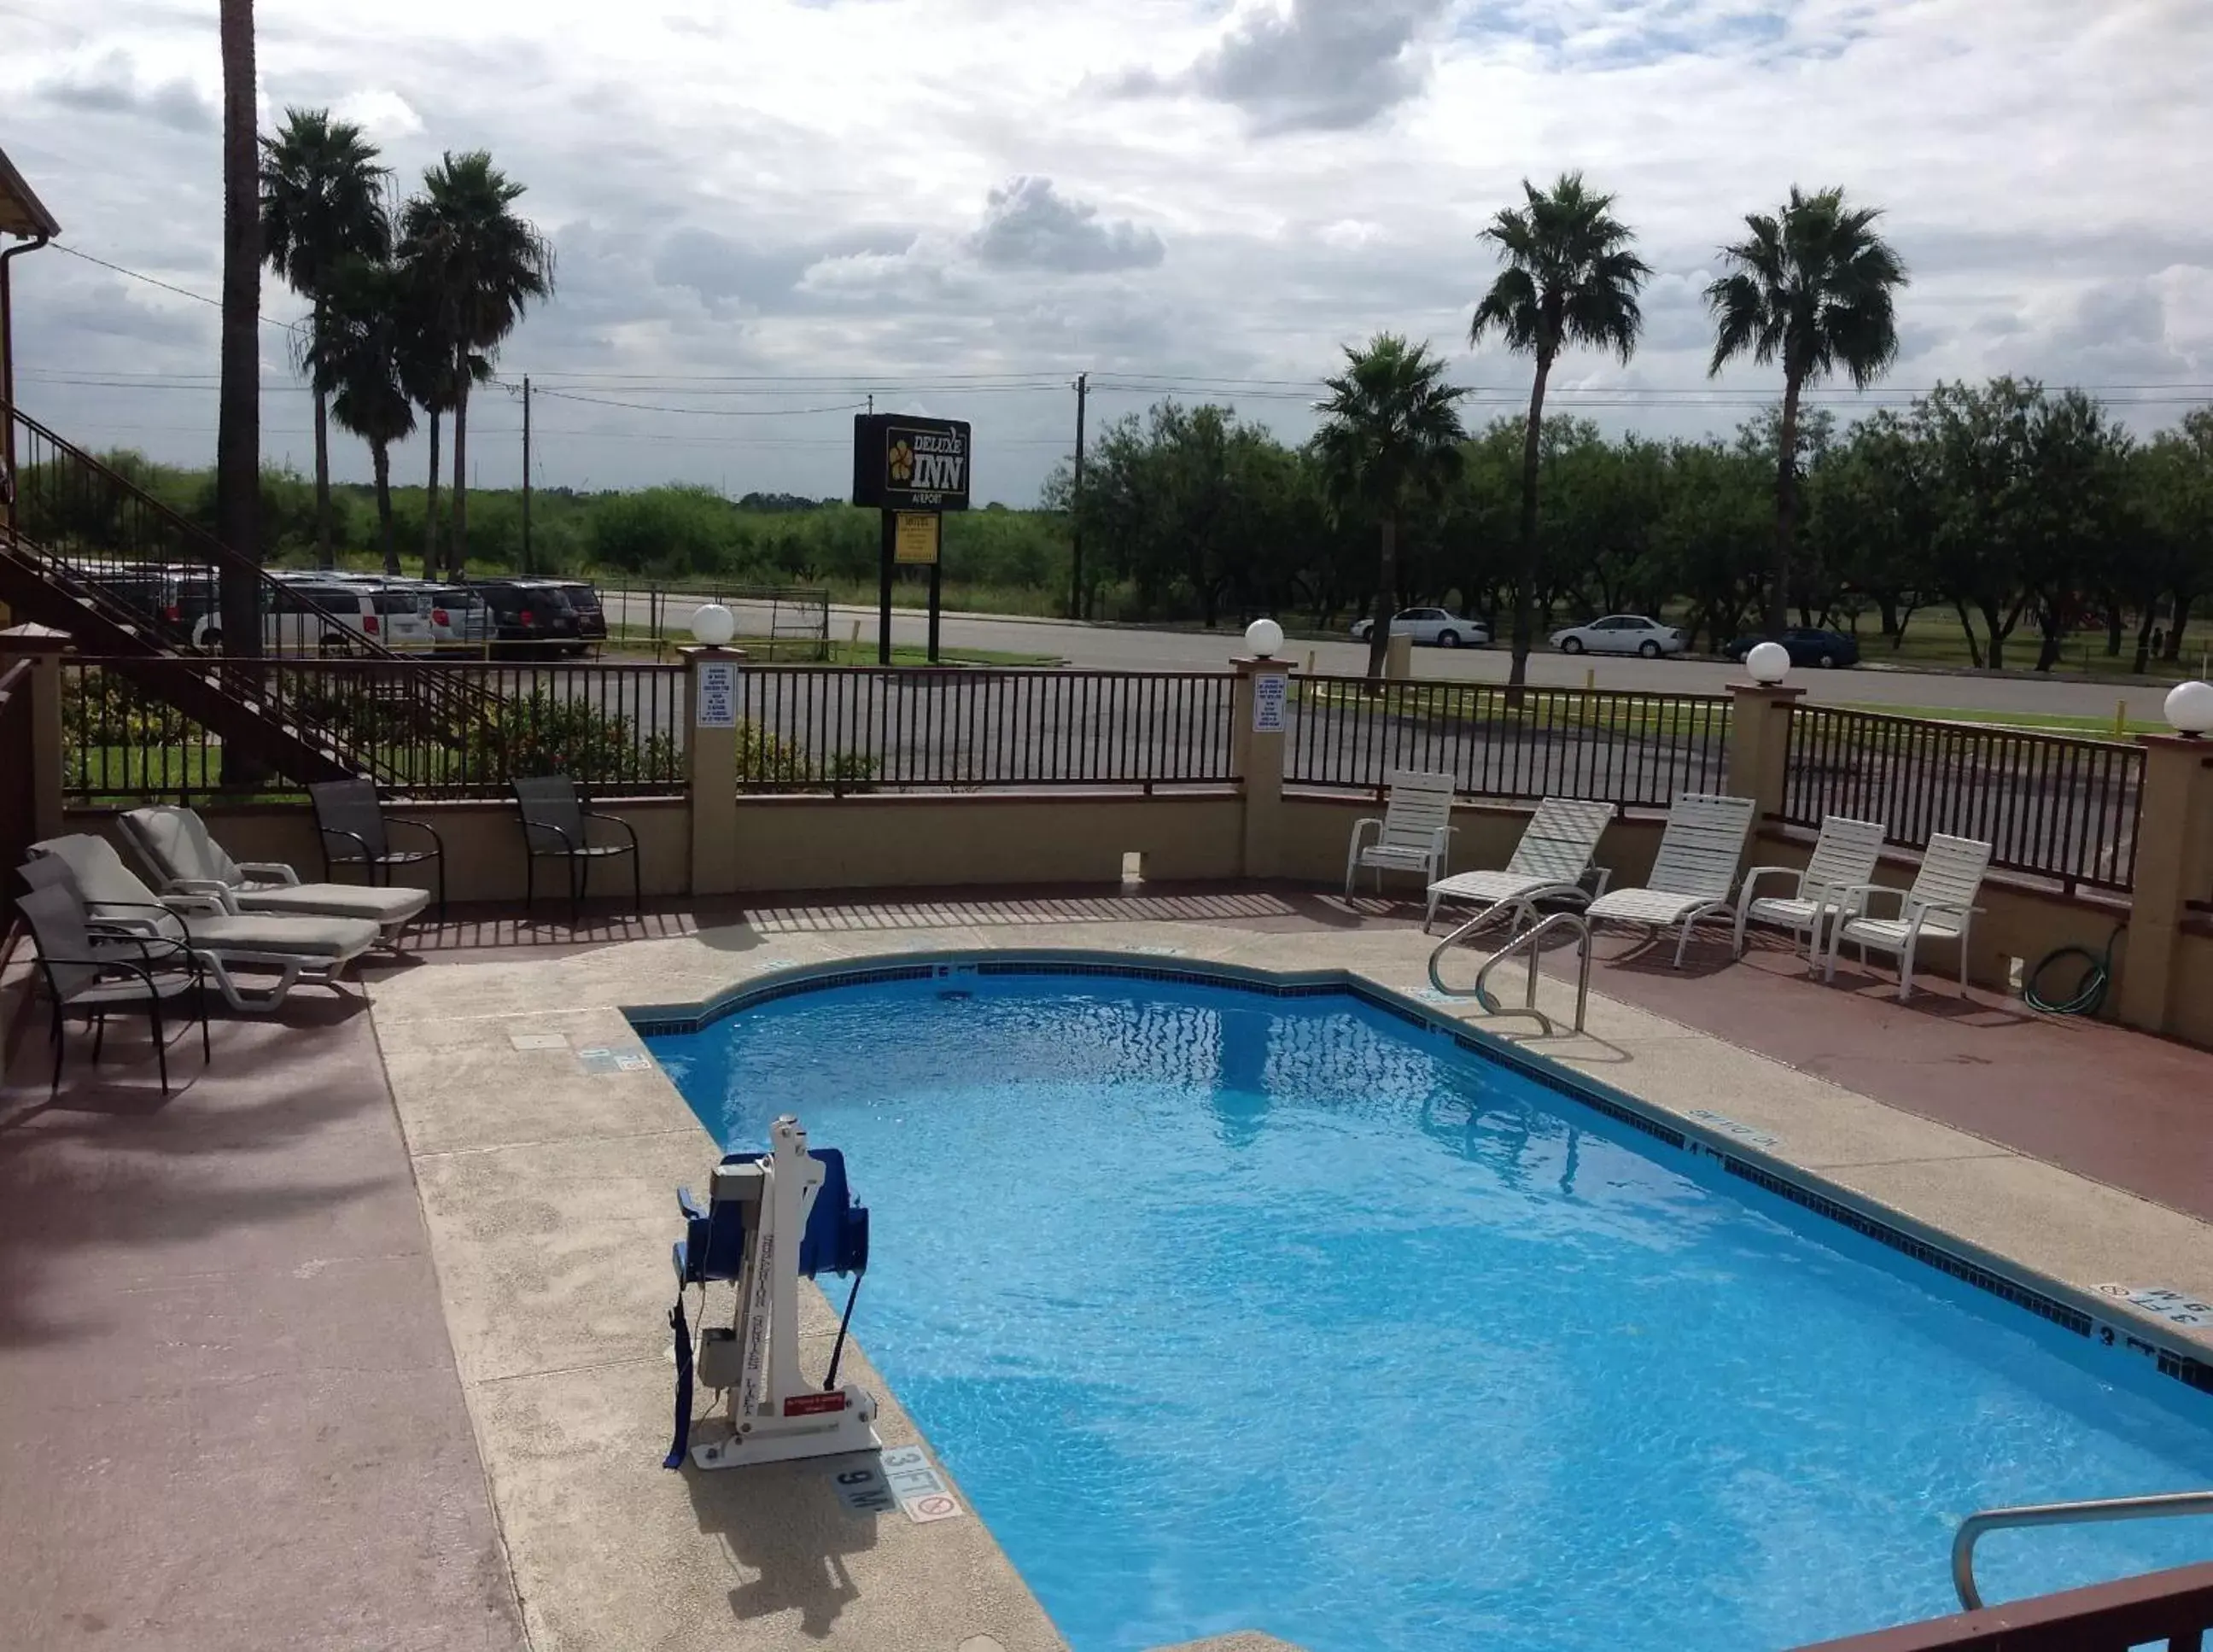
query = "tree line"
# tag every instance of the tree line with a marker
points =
(2002, 505)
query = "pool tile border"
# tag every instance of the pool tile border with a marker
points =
(2010, 1281)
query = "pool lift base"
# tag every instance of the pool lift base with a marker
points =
(1526, 942)
(770, 1218)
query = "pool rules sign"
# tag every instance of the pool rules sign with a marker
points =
(914, 470)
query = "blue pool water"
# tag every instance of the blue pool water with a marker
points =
(1231, 1311)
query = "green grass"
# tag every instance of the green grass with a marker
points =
(2041, 721)
(1610, 710)
(1934, 639)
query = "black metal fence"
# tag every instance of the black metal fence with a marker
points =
(1637, 750)
(774, 623)
(18, 825)
(451, 728)
(847, 729)
(2049, 806)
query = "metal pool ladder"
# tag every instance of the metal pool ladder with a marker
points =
(1526, 942)
(2088, 1511)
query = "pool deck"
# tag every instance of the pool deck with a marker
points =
(338, 1364)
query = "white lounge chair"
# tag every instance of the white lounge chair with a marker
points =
(1940, 905)
(1843, 859)
(313, 951)
(1549, 863)
(1411, 835)
(1694, 873)
(175, 847)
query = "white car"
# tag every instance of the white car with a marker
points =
(311, 613)
(1439, 626)
(1621, 633)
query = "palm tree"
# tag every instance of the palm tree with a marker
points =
(428, 374)
(1390, 430)
(354, 358)
(238, 416)
(480, 264)
(1815, 285)
(322, 201)
(1569, 279)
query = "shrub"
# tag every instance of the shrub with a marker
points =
(544, 734)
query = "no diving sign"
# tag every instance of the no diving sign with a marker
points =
(921, 1491)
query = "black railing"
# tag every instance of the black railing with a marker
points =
(2049, 806)
(811, 728)
(440, 729)
(18, 821)
(775, 624)
(94, 531)
(1637, 750)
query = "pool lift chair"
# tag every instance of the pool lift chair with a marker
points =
(770, 1219)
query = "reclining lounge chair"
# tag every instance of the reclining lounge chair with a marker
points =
(309, 950)
(175, 847)
(1549, 861)
(1694, 873)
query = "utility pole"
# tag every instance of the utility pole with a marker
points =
(526, 472)
(1076, 506)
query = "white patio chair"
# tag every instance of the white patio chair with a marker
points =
(1694, 873)
(311, 950)
(1843, 858)
(1940, 905)
(175, 847)
(1411, 834)
(1549, 863)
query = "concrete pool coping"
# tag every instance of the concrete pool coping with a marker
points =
(546, 1189)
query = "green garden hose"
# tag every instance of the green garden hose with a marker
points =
(2089, 991)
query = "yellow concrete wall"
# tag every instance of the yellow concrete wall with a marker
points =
(876, 842)
(2192, 1004)
(484, 845)
(1317, 826)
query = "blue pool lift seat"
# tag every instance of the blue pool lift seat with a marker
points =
(836, 1239)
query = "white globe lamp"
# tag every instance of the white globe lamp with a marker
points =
(2190, 708)
(1768, 662)
(713, 624)
(1263, 637)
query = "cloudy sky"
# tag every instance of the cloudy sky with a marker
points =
(764, 211)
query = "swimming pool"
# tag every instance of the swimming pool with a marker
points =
(1232, 1310)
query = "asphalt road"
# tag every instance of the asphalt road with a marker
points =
(1128, 648)
(1119, 647)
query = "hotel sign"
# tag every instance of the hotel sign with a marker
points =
(905, 463)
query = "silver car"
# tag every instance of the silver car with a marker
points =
(1622, 633)
(1438, 626)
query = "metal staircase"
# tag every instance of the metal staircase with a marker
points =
(87, 550)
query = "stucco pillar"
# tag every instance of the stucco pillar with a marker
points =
(43, 647)
(1259, 717)
(710, 765)
(2173, 867)
(1758, 743)
(1399, 659)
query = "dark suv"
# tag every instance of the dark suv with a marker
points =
(538, 617)
(591, 617)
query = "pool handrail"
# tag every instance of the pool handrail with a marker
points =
(2087, 1510)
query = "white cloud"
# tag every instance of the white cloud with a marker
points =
(859, 187)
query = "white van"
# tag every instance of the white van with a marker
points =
(318, 615)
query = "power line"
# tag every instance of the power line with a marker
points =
(703, 412)
(166, 286)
